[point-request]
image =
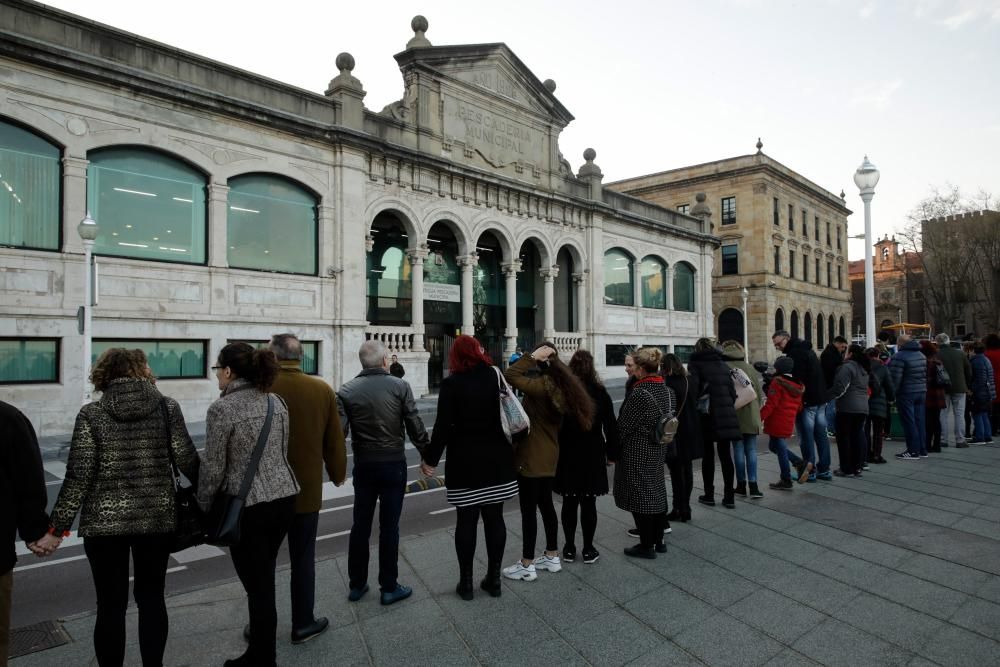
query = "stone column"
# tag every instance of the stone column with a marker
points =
(468, 264)
(668, 286)
(417, 256)
(510, 274)
(218, 215)
(74, 203)
(549, 275)
(580, 283)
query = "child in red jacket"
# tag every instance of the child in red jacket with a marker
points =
(784, 400)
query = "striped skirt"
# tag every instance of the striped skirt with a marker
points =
(484, 496)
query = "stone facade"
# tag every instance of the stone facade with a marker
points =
(899, 295)
(761, 210)
(470, 152)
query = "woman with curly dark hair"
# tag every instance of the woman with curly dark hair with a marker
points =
(480, 473)
(584, 455)
(551, 394)
(233, 426)
(118, 478)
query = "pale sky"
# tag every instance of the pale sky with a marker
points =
(657, 85)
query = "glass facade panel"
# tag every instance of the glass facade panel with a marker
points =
(389, 274)
(684, 352)
(29, 190)
(442, 305)
(684, 287)
(24, 360)
(271, 225)
(653, 274)
(148, 205)
(169, 359)
(614, 355)
(618, 286)
(310, 353)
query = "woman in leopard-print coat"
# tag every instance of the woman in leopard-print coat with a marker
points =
(118, 478)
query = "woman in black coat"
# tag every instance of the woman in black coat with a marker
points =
(582, 471)
(480, 472)
(719, 425)
(688, 438)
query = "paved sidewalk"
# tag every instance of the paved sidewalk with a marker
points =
(901, 567)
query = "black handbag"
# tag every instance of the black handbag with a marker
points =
(190, 528)
(227, 510)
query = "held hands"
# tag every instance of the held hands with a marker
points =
(45, 546)
(426, 470)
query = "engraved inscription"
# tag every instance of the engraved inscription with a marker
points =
(498, 138)
(492, 80)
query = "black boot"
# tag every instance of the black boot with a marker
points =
(491, 582)
(464, 588)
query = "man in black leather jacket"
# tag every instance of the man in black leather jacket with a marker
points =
(378, 410)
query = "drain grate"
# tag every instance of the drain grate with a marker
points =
(37, 637)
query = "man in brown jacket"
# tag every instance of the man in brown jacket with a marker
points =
(315, 441)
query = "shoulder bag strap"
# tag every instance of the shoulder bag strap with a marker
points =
(258, 451)
(170, 443)
(502, 385)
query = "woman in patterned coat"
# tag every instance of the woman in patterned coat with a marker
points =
(640, 487)
(118, 478)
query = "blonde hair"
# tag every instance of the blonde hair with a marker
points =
(648, 358)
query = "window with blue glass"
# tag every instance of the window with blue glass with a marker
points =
(148, 205)
(271, 225)
(684, 287)
(618, 286)
(653, 277)
(29, 360)
(169, 359)
(29, 190)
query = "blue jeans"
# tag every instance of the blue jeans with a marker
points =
(780, 448)
(382, 481)
(811, 426)
(912, 415)
(830, 411)
(745, 457)
(983, 428)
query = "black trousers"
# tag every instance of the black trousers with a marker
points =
(302, 558)
(876, 436)
(650, 528)
(536, 493)
(494, 529)
(851, 444)
(263, 529)
(933, 427)
(383, 482)
(586, 508)
(109, 559)
(681, 484)
(724, 450)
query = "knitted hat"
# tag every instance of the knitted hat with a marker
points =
(783, 365)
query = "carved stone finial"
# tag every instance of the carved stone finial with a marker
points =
(760, 144)
(842, 195)
(419, 26)
(345, 63)
(589, 168)
(700, 209)
(550, 85)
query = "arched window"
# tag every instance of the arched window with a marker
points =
(271, 225)
(389, 272)
(830, 323)
(841, 327)
(819, 332)
(653, 274)
(794, 324)
(779, 320)
(148, 205)
(29, 190)
(731, 325)
(684, 287)
(618, 286)
(807, 327)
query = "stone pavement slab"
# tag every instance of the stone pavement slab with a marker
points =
(901, 567)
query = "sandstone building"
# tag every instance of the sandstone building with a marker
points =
(783, 240)
(232, 207)
(899, 295)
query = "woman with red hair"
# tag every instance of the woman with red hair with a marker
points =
(480, 471)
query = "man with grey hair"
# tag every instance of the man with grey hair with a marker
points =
(377, 408)
(315, 441)
(959, 370)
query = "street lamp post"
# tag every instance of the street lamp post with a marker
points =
(88, 230)
(745, 293)
(866, 178)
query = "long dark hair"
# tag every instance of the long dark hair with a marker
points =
(258, 367)
(576, 402)
(582, 366)
(856, 353)
(671, 364)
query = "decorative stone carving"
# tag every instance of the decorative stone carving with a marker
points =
(419, 26)
(345, 80)
(318, 174)
(76, 124)
(589, 168)
(220, 155)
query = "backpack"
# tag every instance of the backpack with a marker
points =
(666, 427)
(745, 392)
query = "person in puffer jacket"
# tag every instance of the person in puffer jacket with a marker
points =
(850, 389)
(784, 401)
(908, 368)
(719, 425)
(984, 392)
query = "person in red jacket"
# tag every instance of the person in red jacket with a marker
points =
(784, 400)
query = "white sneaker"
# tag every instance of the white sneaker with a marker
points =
(550, 563)
(519, 571)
